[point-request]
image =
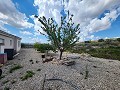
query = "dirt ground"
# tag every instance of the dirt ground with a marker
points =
(102, 74)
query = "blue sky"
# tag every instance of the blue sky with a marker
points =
(17, 17)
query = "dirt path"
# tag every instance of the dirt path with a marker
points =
(103, 74)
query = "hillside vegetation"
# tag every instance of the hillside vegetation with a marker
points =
(103, 48)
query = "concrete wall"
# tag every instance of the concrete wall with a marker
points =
(16, 43)
(7, 44)
(1, 49)
(7, 41)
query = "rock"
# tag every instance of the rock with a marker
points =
(47, 60)
(61, 62)
(95, 66)
(54, 61)
(69, 63)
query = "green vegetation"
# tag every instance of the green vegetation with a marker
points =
(43, 47)
(15, 68)
(27, 75)
(6, 88)
(2, 77)
(39, 69)
(26, 45)
(6, 81)
(13, 81)
(108, 49)
(63, 36)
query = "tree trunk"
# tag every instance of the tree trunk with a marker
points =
(61, 52)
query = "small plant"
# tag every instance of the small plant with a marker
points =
(86, 72)
(39, 69)
(37, 61)
(13, 81)
(27, 75)
(31, 60)
(15, 68)
(2, 77)
(6, 81)
(6, 88)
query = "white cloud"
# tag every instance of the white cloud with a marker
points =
(11, 16)
(86, 12)
(36, 39)
(30, 39)
(25, 32)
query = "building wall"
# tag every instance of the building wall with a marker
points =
(16, 43)
(1, 49)
(8, 43)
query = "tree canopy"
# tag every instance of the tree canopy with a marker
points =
(62, 36)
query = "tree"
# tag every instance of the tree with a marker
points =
(108, 41)
(101, 40)
(118, 39)
(36, 45)
(87, 41)
(44, 47)
(62, 36)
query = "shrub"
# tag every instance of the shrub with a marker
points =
(39, 69)
(6, 81)
(101, 40)
(87, 41)
(108, 41)
(6, 88)
(14, 81)
(27, 75)
(118, 39)
(2, 76)
(15, 68)
(43, 47)
(36, 45)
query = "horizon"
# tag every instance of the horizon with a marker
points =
(96, 22)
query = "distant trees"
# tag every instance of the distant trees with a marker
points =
(108, 41)
(43, 47)
(87, 41)
(63, 36)
(36, 45)
(101, 40)
(26, 45)
(118, 39)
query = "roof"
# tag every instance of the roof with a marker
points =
(9, 35)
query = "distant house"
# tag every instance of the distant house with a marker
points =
(9, 42)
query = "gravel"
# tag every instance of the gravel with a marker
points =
(103, 74)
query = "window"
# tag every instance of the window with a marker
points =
(1, 41)
(10, 42)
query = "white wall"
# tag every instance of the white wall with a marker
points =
(18, 45)
(6, 43)
(1, 49)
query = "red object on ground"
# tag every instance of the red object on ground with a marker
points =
(3, 58)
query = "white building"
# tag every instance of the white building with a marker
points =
(9, 41)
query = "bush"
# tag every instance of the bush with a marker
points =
(43, 47)
(36, 45)
(87, 41)
(15, 68)
(27, 75)
(101, 40)
(6, 81)
(118, 39)
(6, 88)
(2, 77)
